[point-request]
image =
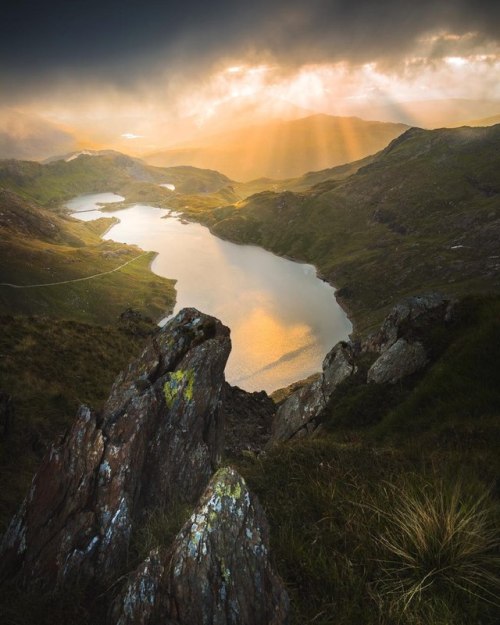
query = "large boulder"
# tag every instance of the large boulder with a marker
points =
(159, 438)
(403, 340)
(216, 572)
(410, 319)
(400, 360)
(301, 412)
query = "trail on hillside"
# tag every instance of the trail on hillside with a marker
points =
(95, 275)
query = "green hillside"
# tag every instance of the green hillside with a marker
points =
(59, 180)
(424, 214)
(41, 247)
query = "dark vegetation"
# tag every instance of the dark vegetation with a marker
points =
(391, 514)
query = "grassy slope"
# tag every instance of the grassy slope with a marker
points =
(39, 246)
(388, 230)
(329, 499)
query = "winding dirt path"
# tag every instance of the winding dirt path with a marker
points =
(96, 275)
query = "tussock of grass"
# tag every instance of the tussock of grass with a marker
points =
(441, 548)
(335, 537)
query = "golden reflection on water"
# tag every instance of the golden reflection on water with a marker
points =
(267, 338)
(283, 320)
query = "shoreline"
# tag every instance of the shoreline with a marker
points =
(188, 218)
(152, 253)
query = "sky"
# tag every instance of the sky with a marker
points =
(145, 72)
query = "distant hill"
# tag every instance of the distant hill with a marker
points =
(485, 121)
(443, 113)
(423, 215)
(94, 172)
(284, 149)
(29, 137)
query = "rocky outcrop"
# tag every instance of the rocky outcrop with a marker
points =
(402, 348)
(301, 413)
(159, 437)
(410, 319)
(247, 419)
(400, 360)
(402, 339)
(217, 570)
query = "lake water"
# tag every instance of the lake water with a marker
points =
(283, 319)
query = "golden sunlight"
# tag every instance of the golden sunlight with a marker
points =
(273, 343)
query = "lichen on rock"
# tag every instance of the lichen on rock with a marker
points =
(158, 438)
(217, 570)
(178, 382)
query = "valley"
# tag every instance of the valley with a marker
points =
(336, 451)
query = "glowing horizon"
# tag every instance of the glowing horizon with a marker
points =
(156, 84)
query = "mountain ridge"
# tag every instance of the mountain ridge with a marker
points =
(284, 149)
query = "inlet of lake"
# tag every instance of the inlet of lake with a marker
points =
(283, 318)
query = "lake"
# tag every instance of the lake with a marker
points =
(283, 319)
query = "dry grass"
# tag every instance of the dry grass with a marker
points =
(441, 549)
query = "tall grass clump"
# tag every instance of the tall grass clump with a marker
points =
(440, 554)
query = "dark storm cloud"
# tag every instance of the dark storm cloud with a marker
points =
(118, 40)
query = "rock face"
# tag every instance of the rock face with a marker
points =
(400, 360)
(247, 419)
(159, 437)
(400, 341)
(409, 319)
(402, 345)
(300, 414)
(217, 571)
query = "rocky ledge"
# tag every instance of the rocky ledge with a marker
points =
(217, 570)
(158, 442)
(399, 349)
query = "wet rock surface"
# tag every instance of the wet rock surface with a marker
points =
(159, 437)
(217, 571)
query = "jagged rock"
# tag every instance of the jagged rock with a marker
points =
(401, 359)
(304, 408)
(247, 419)
(159, 437)
(217, 571)
(409, 319)
(279, 395)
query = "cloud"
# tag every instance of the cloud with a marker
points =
(124, 41)
(131, 135)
